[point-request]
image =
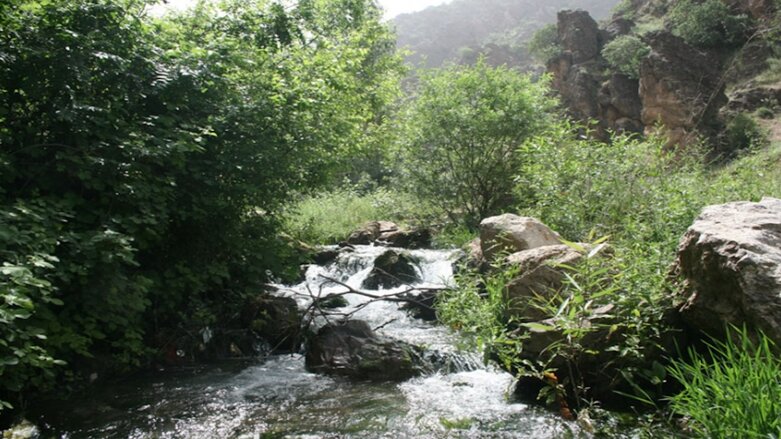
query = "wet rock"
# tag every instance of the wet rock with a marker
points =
(353, 350)
(680, 88)
(420, 304)
(325, 256)
(512, 233)
(275, 319)
(392, 269)
(730, 259)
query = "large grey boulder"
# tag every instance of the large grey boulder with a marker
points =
(730, 259)
(540, 275)
(353, 350)
(512, 233)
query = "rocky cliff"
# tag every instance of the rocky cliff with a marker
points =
(681, 89)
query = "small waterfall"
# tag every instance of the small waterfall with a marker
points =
(460, 397)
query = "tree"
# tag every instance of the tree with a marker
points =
(460, 137)
(544, 44)
(143, 163)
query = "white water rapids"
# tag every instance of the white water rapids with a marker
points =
(278, 398)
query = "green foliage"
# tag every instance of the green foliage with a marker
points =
(742, 133)
(732, 390)
(329, 217)
(477, 308)
(143, 164)
(644, 197)
(460, 137)
(708, 23)
(625, 54)
(629, 189)
(544, 44)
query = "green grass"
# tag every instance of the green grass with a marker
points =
(731, 391)
(329, 217)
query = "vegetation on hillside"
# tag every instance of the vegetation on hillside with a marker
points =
(499, 27)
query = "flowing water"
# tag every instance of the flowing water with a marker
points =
(277, 397)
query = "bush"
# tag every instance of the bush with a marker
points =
(143, 163)
(732, 390)
(544, 44)
(625, 54)
(708, 23)
(460, 136)
(743, 132)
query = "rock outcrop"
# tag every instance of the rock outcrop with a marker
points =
(730, 259)
(351, 349)
(579, 75)
(392, 269)
(680, 88)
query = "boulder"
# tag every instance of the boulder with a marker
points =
(369, 232)
(730, 260)
(512, 233)
(680, 88)
(390, 234)
(538, 276)
(578, 35)
(275, 319)
(351, 349)
(392, 269)
(325, 256)
(411, 239)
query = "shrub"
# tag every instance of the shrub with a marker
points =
(743, 132)
(544, 44)
(709, 23)
(460, 137)
(625, 54)
(732, 390)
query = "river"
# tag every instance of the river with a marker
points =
(276, 396)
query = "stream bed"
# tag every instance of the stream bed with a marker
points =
(277, 397)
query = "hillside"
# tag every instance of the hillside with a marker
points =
(463, 29)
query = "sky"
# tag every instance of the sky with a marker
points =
(392, 7)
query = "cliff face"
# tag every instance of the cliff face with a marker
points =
(579, 74)
(681, 88)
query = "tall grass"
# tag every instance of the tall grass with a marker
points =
(733, 390)
(328, 217)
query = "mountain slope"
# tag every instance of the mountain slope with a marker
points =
(460, 30)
